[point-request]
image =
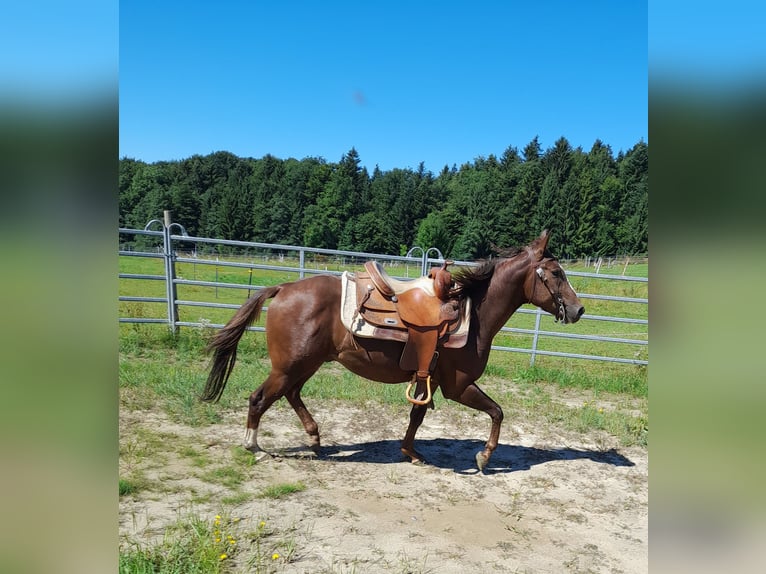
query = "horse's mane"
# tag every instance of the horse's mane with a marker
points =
(471, 281)
(468, 280)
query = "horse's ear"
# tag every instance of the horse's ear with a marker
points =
(540, 244)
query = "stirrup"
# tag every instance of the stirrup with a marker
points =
(416, 401)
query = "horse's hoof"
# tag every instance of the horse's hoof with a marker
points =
(258, 454)
(481, 460)
(261, 455)
(414, 457)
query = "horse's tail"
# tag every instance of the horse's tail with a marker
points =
(224, 343)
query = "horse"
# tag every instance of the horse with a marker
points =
(304, 330)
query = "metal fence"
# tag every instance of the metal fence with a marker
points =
(296, 262)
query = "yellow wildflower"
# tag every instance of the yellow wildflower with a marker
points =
(223, 556)
(275, 556)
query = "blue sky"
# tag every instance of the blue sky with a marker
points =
(51, 50)
(710, 43)
(402, 82)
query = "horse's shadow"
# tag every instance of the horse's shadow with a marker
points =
(459, 455)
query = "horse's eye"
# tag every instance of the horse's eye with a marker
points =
(557, 273)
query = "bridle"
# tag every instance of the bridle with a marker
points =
(556, 297)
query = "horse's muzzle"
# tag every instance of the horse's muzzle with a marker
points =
(573, 313)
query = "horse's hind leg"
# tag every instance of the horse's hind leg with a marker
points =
(294, 398)
(273, 388)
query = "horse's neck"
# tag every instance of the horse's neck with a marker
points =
(505, 294)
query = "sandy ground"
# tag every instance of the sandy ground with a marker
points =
(549, 501)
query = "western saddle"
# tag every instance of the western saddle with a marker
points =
(424, 307)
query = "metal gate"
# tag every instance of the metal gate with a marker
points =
(290, 260)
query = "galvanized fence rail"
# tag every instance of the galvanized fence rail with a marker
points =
(173, 249)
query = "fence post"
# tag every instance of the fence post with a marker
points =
(411, 253)
(170, 265)
(425, 258)
(538, 314)
(170, 271)
(302, 256)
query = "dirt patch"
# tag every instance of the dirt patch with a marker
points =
(549, 501)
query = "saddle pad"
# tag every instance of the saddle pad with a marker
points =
(356, 324)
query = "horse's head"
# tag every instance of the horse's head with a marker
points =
(548, 286)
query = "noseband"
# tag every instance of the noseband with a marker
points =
(556, 297)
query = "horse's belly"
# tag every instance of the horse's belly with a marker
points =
(375, 360)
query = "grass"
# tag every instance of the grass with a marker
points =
(196, 456)
(228, 476)
(171, 371)
(204, 545)
(128, 486)
(282, 490)
(631, 381)
(193, 545)
(237, 498)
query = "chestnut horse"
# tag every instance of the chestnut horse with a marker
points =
(304, 330)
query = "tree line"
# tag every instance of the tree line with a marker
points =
(594, 203)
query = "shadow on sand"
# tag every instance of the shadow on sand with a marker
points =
(459, 455)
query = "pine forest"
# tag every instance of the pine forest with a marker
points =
(594, 203)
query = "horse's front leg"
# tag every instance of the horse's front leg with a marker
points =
(417, 414)
(472, 396)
